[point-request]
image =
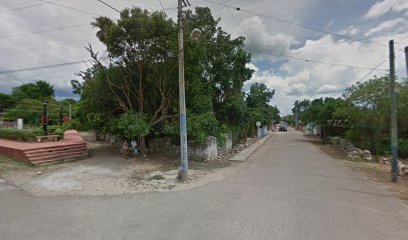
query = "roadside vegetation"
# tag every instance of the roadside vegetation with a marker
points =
(133, 93)
(361, 116)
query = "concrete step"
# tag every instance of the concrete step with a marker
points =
(57, 160)
(55, 156)
(49, 148)
(55, 150)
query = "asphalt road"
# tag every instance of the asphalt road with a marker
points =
(288, 189)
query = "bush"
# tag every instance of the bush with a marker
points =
(73, 124)
(59, 132)
(129, 126)
(20, 135)
(403, 147)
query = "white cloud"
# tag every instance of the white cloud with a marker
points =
(259, 39)
(381, 8)
(350, 31)
(389, 24)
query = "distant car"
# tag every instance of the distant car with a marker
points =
(283, 128)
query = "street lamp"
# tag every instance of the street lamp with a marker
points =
(195, 34)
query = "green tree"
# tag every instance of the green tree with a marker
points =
(258, 103)
(367, 113)
(39, 90)
(142, 75)
(6, 101)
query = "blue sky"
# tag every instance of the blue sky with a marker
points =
(27, 40)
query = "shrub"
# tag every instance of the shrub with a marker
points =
(403, 147)
(20, 134)
(73, 124)
(59, 132)
(130, 125)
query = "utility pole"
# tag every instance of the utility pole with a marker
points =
(183, 172)
(406, 59)
(393, 106)
(296, 114)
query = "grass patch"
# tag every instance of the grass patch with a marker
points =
(137, 176)
(156, 177)
(8, 164)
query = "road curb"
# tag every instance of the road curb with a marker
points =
(244, 154)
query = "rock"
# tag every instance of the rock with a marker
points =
(384, 160)
(367, 155)
(403, 168)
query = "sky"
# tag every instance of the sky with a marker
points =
(303, 49)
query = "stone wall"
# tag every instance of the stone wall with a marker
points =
(350, 149)
(206, 151)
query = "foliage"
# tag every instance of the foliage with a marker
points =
(31, 111)
(39, 90)
(20, 134)
(59, 132)
(363, 116)
(403, 147)
(73, 124)
(199, 127)
(142, 75)
(130, 125)
(6, 101)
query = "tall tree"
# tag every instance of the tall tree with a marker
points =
(38, 90)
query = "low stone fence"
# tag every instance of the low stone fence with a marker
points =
(350, 149)
(206, 151)
(209, 150)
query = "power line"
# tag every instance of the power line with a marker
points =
(299, 58)
(282, 55)
(71, 8)
(45, 30)
(297, 24)
(236, 20)
(43, 67)
(323, 62)
(161, 4)
(20, 8)
(372, 70)
(110, 6)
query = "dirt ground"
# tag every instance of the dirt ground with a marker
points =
(107, 173)
(378, 173)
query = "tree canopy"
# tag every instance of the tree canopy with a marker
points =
(141, 77)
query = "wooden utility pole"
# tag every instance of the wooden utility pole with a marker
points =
(183, 172)
(393, 111)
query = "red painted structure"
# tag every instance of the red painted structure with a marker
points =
(72, 147)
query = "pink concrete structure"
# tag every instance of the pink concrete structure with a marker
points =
(72, 147)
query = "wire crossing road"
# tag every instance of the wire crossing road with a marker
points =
(288, 189)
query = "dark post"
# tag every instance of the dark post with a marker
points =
(44, 117)
(393, 106)
(36, 119)
(61, 116)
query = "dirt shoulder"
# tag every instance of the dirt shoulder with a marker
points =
(107, 173)
(378, 173)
